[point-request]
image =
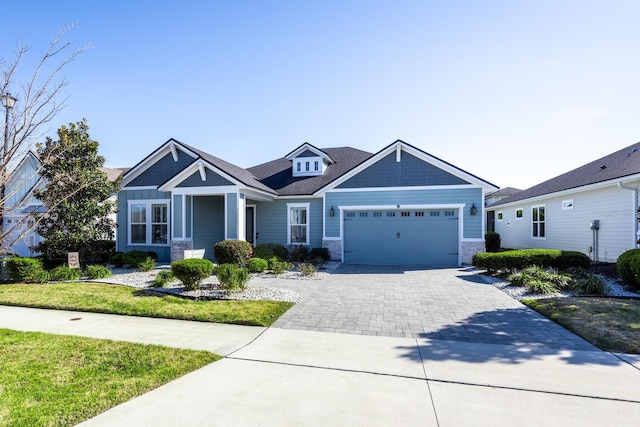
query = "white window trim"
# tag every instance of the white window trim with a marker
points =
(539, 222)
(148, 223)
(499, 216)
(298, 205)
(516, 214)
(567, 204)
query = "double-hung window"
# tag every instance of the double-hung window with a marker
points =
(538, 222)
(298, 223)
(148, 222)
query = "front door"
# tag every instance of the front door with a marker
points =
(250, 231)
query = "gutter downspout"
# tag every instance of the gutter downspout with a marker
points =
(635, 207)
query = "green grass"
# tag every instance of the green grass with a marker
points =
(610, 324)
(114, 299)
(56, 380)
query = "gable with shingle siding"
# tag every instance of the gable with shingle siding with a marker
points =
(162, 170)
(410, 172)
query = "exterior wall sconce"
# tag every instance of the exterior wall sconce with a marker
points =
(332, 211)
(474, 210)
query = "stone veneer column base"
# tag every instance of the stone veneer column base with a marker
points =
(178, 247)
(469, 249)
(335, 248)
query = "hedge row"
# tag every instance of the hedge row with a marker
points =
(523, 258)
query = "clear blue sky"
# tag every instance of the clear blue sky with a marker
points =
(515, 92)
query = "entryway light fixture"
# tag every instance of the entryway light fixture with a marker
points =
(474, 210)
(332, 212)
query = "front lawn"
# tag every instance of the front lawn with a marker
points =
(114, 299)
(609, 324)
(56, 380)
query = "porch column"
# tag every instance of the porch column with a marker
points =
(235, 216)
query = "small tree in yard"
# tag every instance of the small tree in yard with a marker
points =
(76, 194)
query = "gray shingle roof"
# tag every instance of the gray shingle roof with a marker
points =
(277, 174)
(622, 163)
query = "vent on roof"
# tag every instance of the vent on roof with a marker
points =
(633, 150)
(603, 167)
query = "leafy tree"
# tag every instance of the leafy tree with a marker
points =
(37, 101)
(76, 194)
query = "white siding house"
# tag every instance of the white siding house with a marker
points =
(592, 209)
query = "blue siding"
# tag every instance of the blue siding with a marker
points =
(271, 221)
(308, 153)
(164, 252)
(177, 216)
(232, 216)
(213, 179)
(162, 170)
(472, 224)
(410, 171)
(189, 202)
(208, 223)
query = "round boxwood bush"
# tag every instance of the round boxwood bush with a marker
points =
(257, 265)
(191, 271)
(233, 252)
(628, 266)
(134, 258)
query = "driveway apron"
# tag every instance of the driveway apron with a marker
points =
(452, 304)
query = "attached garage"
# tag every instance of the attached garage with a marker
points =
(413, 237)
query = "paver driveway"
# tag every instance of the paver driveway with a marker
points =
(450, 304)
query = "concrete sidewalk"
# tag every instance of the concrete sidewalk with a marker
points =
(294, 377)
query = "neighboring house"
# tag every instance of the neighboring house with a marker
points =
(493, 197)
(398, 206)
(591, 209)
(21, 204)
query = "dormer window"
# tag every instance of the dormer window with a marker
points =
(308, 160)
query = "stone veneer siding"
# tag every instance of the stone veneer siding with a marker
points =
(335, 248)
(178, 247)
(469, 249)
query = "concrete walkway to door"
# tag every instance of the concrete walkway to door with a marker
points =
(451, 304)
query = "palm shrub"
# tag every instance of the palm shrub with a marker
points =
(191, 271)
(585, 282)
(64, 272)
(539, 280)
(257, 265)
(232, 277)
(97, 271)
(163, 278)
(233, 252)
(27, 270)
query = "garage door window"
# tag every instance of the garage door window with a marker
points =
(298, 223)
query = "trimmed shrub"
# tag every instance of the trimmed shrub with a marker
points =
(64, 272)
(27, 270)
(97, 271)
(319, 254)
(232, 277)
(163, 278)
(298, 253)
(571, 259)
(257, 265)
(523, 258)
(191, 271)
(492, 241)
(306, 269)
(147, 265)
(269, 250)
(233, 252)
(628, 267)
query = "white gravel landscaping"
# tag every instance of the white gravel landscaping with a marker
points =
(613, 288)
(209, 288)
